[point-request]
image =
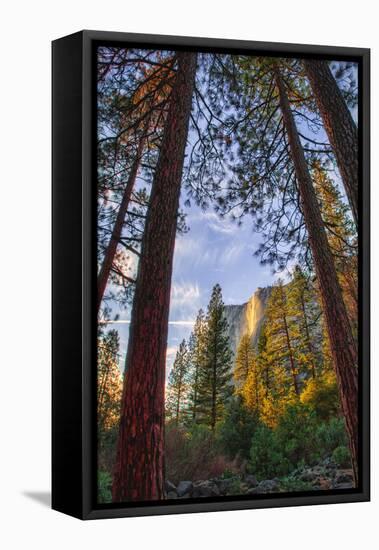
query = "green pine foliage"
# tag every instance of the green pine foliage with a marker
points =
(215, 372)
(109, 380)
(177, 391)
(196, 357)
(109, 391)
(280, 345)
(266, 457)
(304, 313)
(244, 362)
(237, 429)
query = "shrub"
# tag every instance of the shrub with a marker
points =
(321, 394)
(192, 455)
(296, 434)
(235, 433)
(104, 487)
(331, 435)
(175, 452)
(227, 474)
(235, 487)
(290, 484)
(266, 457)
(341, 456)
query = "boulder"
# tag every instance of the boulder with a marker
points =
(268, 486)
(309, 476)
(184, 488)
(251, 481)
(223, 485)
(226, 485)
(329, 463)
(206, 488)
(321, 483)
(343, 476)
(169, 487)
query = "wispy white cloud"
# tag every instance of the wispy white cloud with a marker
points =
(186, 247)
(184, 323)
(231, 253)
(218, 224)
(183, 293)
(185, 302)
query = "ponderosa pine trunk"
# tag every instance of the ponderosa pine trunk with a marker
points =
(139, 469)
(103, 276)
(339, 126)
(342, 343)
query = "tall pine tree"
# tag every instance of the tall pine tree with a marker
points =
(280, 342)
(177, 389)
(304, 323)
(244, 360)
(196, 357)
(343, 344)
(109, 381)
(215, 373)
(139, 470)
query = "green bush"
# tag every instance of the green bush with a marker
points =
(341, 456)
(321, 394)
(296, 434)
(235, 487)
(227, 474)
(266, 457)
(331, 435)
(299, 440)
(289, 484)
(235, 432)
(104, 487)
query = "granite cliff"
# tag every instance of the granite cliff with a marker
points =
(247, 318)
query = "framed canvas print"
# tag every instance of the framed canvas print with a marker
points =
(210, 275)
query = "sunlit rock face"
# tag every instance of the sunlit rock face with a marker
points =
(247, 318)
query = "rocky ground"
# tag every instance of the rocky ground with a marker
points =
(323, 476)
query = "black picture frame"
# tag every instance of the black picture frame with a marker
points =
(74, 285)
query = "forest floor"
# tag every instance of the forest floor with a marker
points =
(323, 476)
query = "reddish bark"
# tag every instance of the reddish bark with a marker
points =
(343, 345)
(139, 470)
(339, 126)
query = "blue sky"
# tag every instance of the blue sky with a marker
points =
(213, 251)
